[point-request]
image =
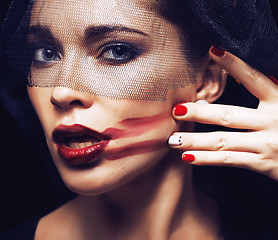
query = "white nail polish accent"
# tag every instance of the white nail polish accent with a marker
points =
(175, 140)
(202, 102)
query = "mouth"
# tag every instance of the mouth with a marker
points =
(79, 145)
(79, 142)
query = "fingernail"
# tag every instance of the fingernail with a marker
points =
(217, 52)
(175, 140)
(202, 101)
(188, 158)
(238, 82)
(180, 110)
(273, 79)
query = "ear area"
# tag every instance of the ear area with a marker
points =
(214, 82)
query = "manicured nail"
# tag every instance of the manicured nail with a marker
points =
(273, 79)
(180, 110)
(238, 82)
(188, 158)
(217, 52)
(175, 140)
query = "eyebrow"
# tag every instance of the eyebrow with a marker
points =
(96, 31)
(43, 32)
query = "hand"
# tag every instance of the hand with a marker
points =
(257, 149)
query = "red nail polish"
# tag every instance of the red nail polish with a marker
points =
(180, 110)
(188, 158)
(238, 82)
(273, 79)
(217, 52)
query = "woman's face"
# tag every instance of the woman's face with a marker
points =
(103, 137)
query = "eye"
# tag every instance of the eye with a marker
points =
(118, 53)
(45, 56)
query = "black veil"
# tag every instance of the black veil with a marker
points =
(243, 27)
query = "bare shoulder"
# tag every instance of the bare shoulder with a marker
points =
(58, 224)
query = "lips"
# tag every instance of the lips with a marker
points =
(79, 145)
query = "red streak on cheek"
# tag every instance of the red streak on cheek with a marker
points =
(115, 133)
(136, 126)
(134, 149)
(146, 122)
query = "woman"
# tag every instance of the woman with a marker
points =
(104, 85)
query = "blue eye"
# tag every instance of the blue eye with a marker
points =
(45, 55)
(118, 53)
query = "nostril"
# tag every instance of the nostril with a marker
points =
(53, 102)
(66, 98)
(76, 103)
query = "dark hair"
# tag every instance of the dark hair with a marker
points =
(196, 42)
(244, 28)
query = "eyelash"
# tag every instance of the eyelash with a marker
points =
(108, 52)
(39, 57)
(129, 51)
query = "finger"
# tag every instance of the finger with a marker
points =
(218, 141)
(258, 84)
(251, 161)
(223, 115)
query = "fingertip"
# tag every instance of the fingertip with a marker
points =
(175, 140)
(189, 158)
(180, 110)
(217, 51)
(201, 101)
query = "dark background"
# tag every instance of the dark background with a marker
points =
(29, 187)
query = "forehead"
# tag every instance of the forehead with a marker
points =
(81, 13)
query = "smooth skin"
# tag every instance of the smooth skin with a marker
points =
(148, 195)
(257, 149)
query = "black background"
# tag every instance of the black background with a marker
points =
(26, 184)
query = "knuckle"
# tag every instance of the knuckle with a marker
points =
(254, 74)
(222, 142)
(266, 166)
(227, 116)
(272, 144)
(227, 159)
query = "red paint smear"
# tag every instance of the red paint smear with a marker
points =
(145, 121)
(115, 133)
(136, 126)
(134, 149)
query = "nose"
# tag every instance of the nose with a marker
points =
(71, 71)
(66, 98)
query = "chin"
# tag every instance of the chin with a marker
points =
(105, 175)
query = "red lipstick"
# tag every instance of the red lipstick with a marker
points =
(71, 141)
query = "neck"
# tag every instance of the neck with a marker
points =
(153, 206)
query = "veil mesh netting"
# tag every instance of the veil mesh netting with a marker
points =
(243, 27)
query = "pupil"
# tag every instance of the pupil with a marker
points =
(120, 51)
(48, 53)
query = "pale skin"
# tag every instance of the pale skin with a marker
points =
(133, 196)
(144, 196)
(257, 149)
